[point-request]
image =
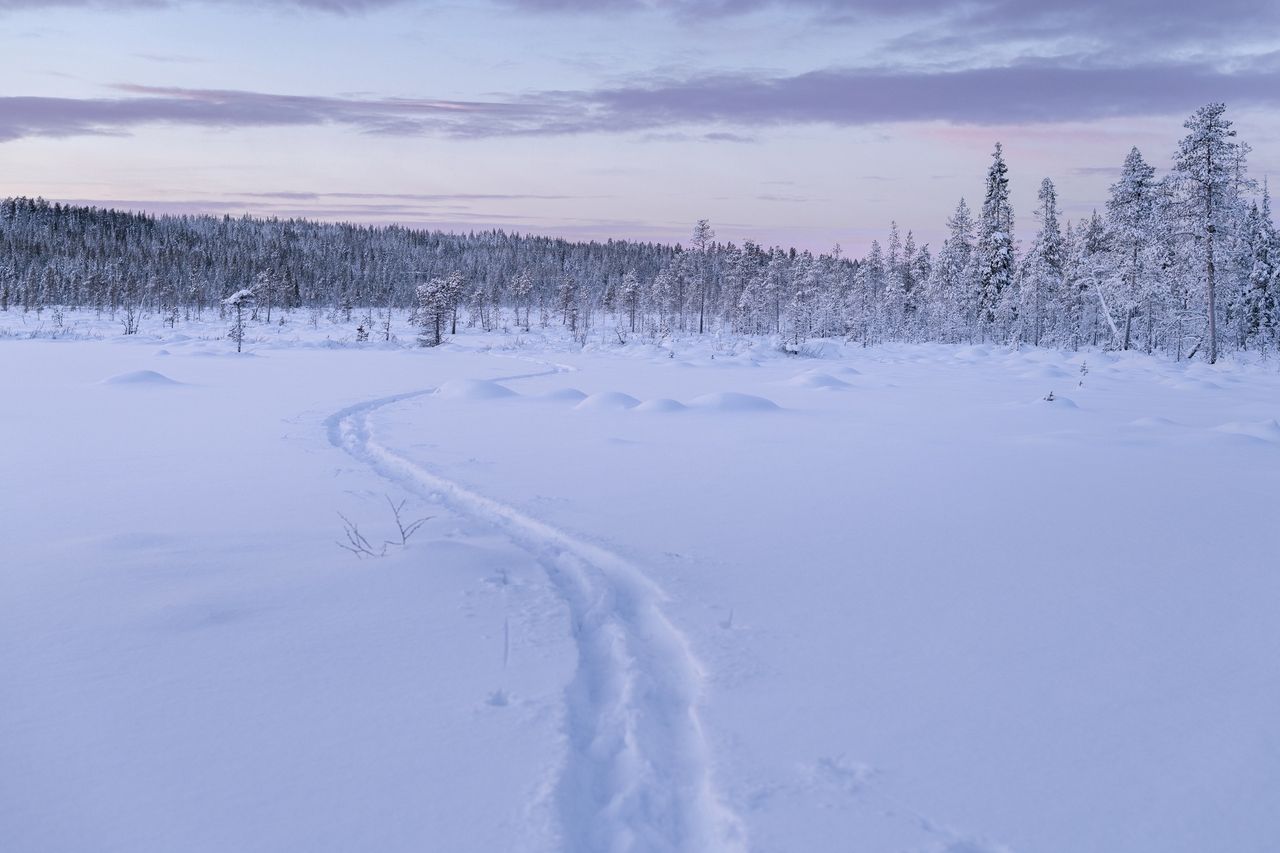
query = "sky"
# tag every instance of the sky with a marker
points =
(807, 123)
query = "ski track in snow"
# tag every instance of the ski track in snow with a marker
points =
(637, 774)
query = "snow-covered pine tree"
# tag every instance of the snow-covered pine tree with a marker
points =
(238, 303)
(1208, 169)
(700, 243)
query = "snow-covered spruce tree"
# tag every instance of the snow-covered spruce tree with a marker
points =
(995, 249)
(1093, 319)
(833, 286)
(238, 303)
(922, 270)
(801, 307)
(869, 289)
(901, 289)
(952, 292)
(609, 300)
(522, 296)
(777, 285)
(479, 306)
(662, 296)
(893, 297)
(452, 289)
(1130, 222)
(7, 278)
(629, 297)
(1175, 272)
(1257, 308)
(753, 316)
(432, 311)
(1043, 270)
(733, 273)
(568, 295)
(1208, 174)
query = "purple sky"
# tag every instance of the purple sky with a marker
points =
(803, 123)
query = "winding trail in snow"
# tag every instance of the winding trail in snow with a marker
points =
(637, 771)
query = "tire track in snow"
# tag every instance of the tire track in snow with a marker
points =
(637, 772)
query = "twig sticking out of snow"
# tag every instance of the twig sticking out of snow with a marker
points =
(357, 543)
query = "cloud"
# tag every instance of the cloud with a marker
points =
(335, 6)
(1136, 27)
(1028, 92)
(1023, 93)
(147, 105)
(1158, 19)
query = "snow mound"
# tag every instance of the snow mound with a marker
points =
(1061, 402)
(731, 401)
(473, 389)
(1048, 371)
(140, 377)
(563, 395)
(1266, 430)
(818, 382)
(663, 405)
(608, 401)
(1153, 422)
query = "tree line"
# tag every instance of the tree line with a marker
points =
(1186, 263)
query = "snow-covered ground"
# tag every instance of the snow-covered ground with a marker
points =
(700, 597)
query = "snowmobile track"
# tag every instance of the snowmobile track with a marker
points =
(636, 776)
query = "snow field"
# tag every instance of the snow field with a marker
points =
(889, 599)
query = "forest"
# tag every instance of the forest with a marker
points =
(1183, 263)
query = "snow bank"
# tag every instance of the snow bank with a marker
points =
(1153, 422)
(140, 377)
(662, 405)
(608, 401)
(818, 381)
(732, 401)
